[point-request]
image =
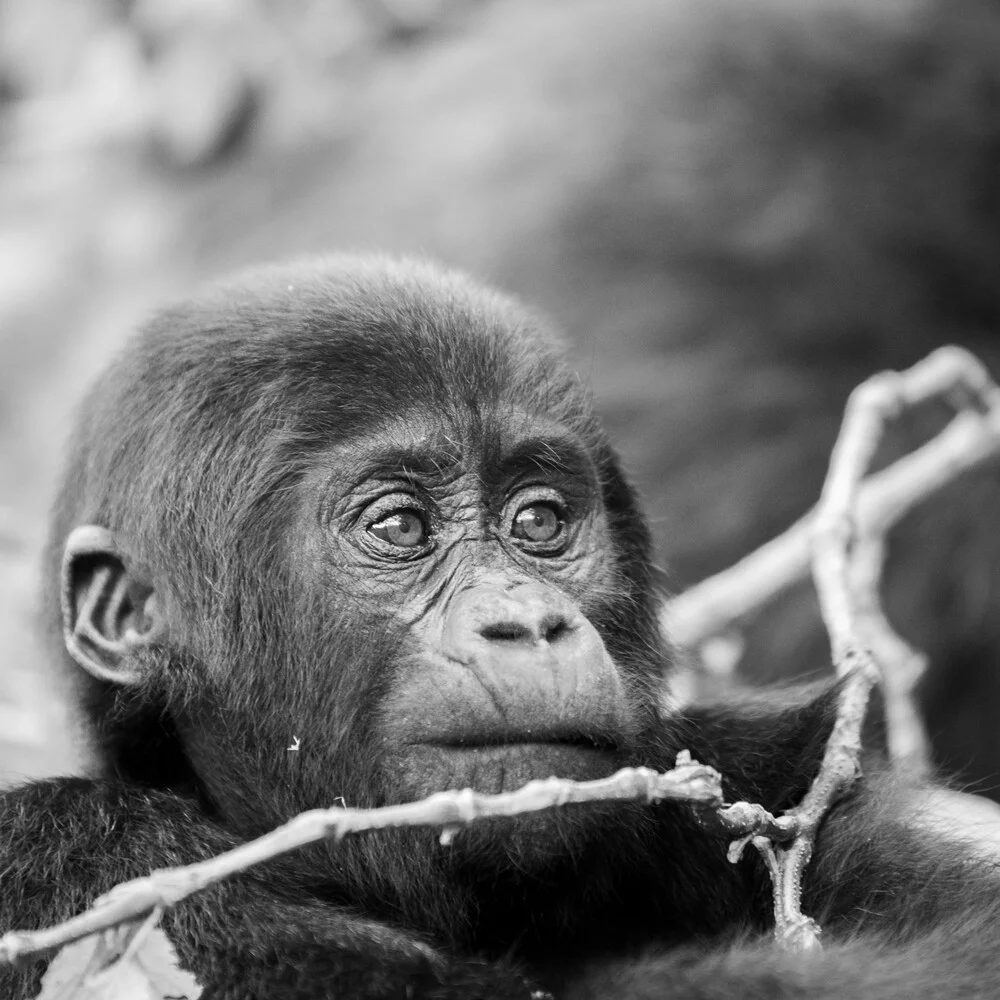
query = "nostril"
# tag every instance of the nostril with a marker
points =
(554, 627)
(506, 632)
(548, 628)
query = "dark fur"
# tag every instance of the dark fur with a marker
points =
(194, 449)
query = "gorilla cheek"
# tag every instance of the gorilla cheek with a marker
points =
(518, 686)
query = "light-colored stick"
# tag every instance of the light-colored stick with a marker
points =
(716, 604)
(900, 665)
(845, 572)
(687, 782)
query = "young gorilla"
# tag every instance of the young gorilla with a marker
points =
(350, 529)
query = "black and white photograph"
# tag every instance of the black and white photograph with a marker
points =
(500, 499)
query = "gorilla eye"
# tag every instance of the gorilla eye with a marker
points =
(537, 522)
(402, 528)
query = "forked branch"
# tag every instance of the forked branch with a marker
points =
(738, 593)
(735, 595)
(846, 560)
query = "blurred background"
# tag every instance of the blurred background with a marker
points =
(736, 209)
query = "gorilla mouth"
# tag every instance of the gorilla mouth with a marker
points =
(525, 739)
(504, 762)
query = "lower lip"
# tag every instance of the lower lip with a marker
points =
(506, 744)
(503, 767)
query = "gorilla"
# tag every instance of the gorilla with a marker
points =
(348, 530)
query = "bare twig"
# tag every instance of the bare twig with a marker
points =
(687, 782)
(716, 604)
(848, 597)
(900, 665)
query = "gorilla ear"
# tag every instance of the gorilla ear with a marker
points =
(107, 612)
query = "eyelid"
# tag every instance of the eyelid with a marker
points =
(528, 495)
(359, 509)
(387, 503)
(543, 495)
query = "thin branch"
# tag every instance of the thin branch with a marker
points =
(792, 928)
(710, 607)
(900, 665)
(687, 782)
(845, 572)
(973, 437)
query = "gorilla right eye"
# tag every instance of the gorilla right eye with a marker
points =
(403, 528)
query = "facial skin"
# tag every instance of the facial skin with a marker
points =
(484, 559)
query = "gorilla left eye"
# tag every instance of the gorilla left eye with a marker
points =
(403, 528)
(537, 522)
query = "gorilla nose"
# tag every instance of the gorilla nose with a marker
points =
(526, 623)
(526, 615)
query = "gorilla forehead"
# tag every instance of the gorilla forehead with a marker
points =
(495, 444)
(219, 405)
(336, 341)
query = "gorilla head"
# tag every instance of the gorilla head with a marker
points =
(350, 529)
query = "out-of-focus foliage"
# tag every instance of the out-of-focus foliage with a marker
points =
(187, 77)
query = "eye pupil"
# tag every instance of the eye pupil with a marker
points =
(403, 528)
(536, 523)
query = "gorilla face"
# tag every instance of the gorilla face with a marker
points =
(377, 522)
